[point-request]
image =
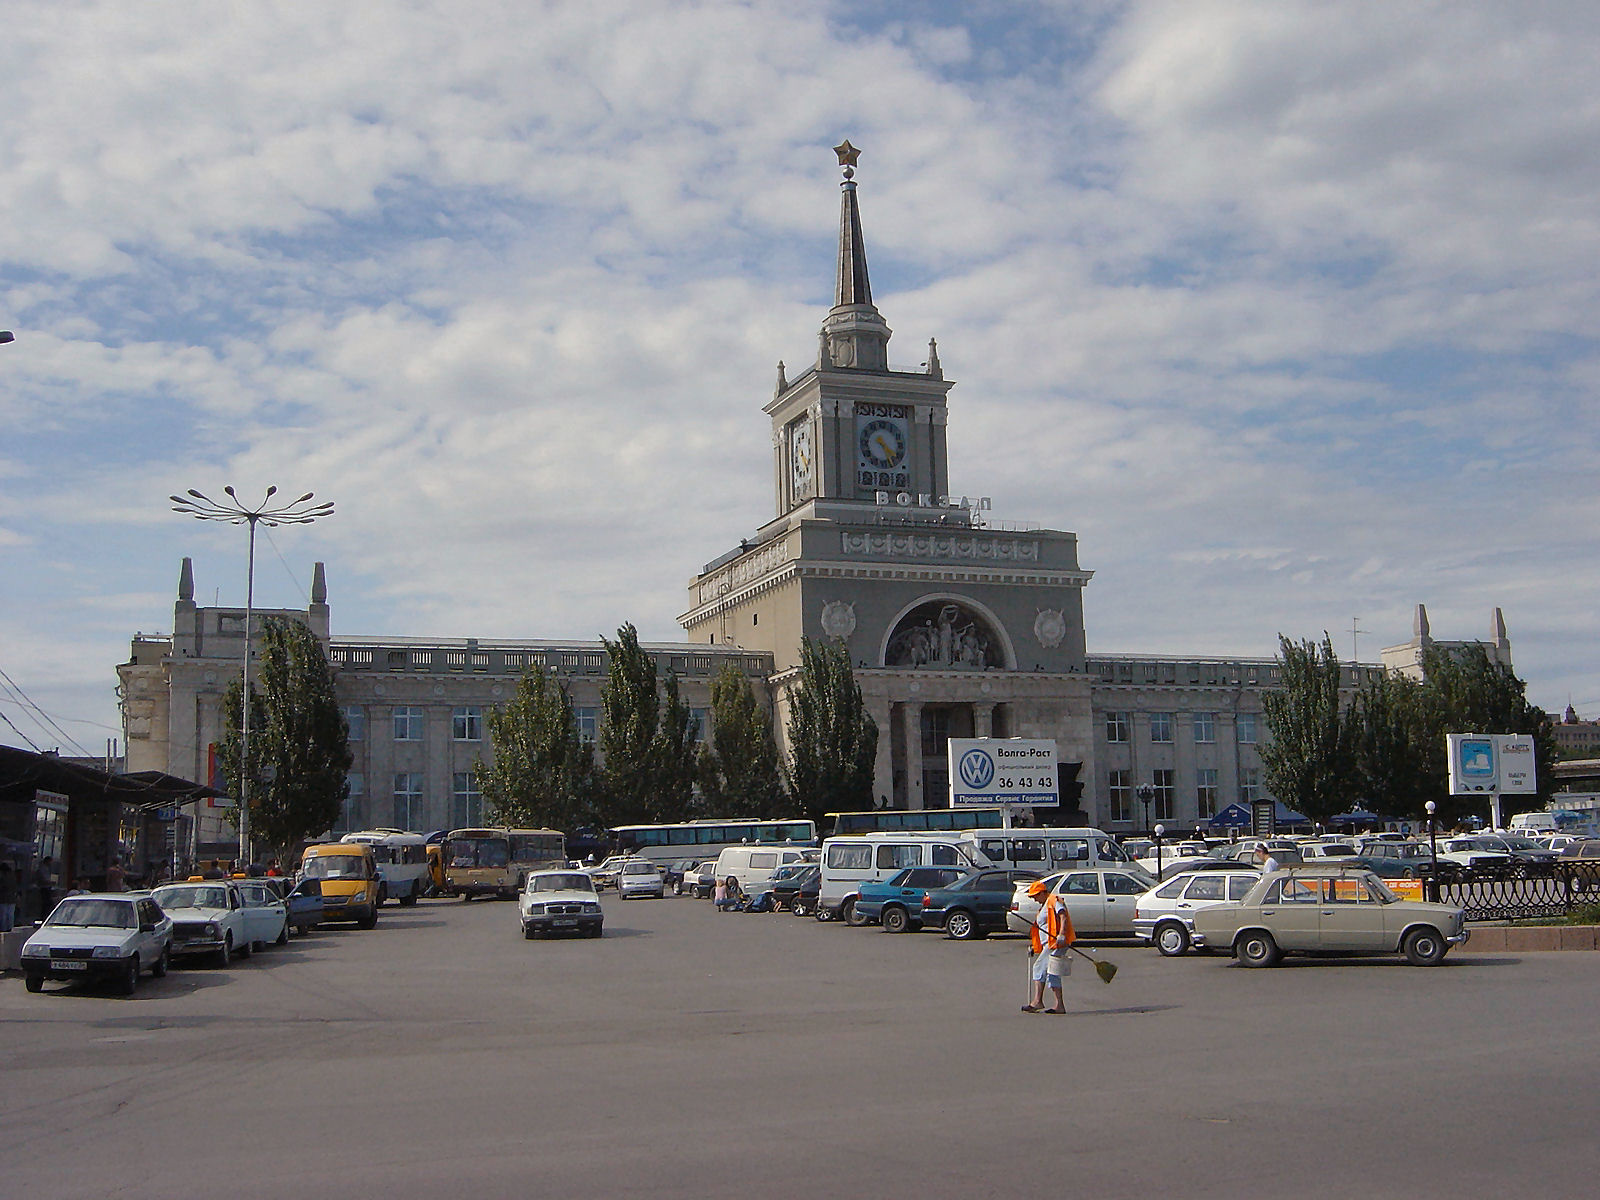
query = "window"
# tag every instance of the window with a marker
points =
(408, 800)
(1249, 784)
(895, 857)
(1245, 724)
(1161, 727)
(407, 723)
(355, 719)
(1120, 791)
(1124, 885)
(1162, 778)
(588, 722)
(1205, 887)
(1084, 884)
(699, 723)
(1240, 883)
(935, 732)
(466, 801)
(466, 725)
(1116, 727)
(850, 858)
(1205, 727)
(1205, 792)
(354, 802)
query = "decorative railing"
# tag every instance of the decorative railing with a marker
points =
(1555, 893)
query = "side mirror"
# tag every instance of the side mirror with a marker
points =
(147, 927)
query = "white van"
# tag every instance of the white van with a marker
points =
(1534, 823)
(402, 858)
(753, 865)
(848, 862)
(1047, 850)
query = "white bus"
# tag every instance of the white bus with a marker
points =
(402, 860)
(663, 844)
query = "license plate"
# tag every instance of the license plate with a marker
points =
(566, 922)
(61, 964)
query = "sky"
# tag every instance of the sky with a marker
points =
(1288, 309)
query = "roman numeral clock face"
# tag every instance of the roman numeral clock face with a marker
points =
(881, 444)
(800, 458)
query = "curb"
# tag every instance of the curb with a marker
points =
(1524, 939)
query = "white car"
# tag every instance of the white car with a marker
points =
(559, 902)
(606, 872)
(1165, 914)
(1101, 901)
(266, 917)
(207, 918)
(640, 877)
(93, 937)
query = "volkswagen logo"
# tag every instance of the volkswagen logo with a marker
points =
(977, 769)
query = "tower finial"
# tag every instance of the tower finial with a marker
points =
(848, 157)
(186, 580)
(783, 383)
(934, 369)
(855, 333)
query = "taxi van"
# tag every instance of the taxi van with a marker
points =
(348, 874)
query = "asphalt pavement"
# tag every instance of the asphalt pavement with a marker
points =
(692, 1053)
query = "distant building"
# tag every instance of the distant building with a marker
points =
(1574, 738)
(1406, 658)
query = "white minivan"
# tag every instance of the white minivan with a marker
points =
(753, 866)
(848, 862)
(1047, 850)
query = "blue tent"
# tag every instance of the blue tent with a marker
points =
(1238, 816)
(1356, 816)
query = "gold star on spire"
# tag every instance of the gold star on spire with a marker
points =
(848, 155)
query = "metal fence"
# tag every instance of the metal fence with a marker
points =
(1569, 886)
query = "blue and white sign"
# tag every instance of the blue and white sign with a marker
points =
(986, 771)
(1492, 764)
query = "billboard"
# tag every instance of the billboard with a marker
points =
(1003, 771)
(1492, 764)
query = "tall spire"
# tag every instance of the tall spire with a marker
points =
(186, 580)
(855, 334)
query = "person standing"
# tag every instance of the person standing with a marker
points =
(1265, 861)
(8, 898)
(116, 878)
(1049, 939)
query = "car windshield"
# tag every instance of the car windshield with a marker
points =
(192, 897)
(335, 866)
(104, 914)
(575, 882)
(638, 868)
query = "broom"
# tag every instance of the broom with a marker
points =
(1106, 970)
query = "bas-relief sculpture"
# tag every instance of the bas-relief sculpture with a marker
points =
(944, 635)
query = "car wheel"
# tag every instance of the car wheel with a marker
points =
(960, 925)
(283, 935)
(1519, 871)
(129, 983)
(1424, 947)
(677, 888)
(159, 971)
(848, 912)
(1172, 939)
(529, 933)
(410, 899)
(895, 920)
(823, 913)
(226, 953)
(370, 920)
(34, 983)
(1257, 949)
(246, 948)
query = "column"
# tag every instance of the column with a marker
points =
(911, 714)
(983, 720)
(883, 764)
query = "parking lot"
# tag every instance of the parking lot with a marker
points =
(691, 1053)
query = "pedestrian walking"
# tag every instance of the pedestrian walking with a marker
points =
(1050, 939)
(1265, 861)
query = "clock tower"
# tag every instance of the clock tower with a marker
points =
(955, 629)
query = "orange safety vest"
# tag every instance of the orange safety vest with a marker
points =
(1057, 926)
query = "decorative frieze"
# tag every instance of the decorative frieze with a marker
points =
(961, 547)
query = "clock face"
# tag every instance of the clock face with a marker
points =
(882, 443)
(800, 458)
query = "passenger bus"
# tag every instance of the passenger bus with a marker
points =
(902, 820)
(496, 862)
(664, 844)
(402, 860)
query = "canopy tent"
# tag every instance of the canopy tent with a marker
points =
(1356, 816)
(1238, 816)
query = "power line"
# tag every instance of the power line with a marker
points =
(48, 720)
(20, 734)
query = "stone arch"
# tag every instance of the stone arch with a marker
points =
(941, 644)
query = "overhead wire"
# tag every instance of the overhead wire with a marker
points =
(42, 718)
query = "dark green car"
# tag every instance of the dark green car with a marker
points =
(973, 906)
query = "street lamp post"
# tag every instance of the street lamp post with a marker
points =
(1145, 793)
(1433, 851)
(233, 511)
(1160, 830)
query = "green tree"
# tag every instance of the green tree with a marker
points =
(299, 742)
(1388, 731)
(833, 739)
(647, 743)
(1465, 691)
(739, 772)
(1308, 760)
(543, 770)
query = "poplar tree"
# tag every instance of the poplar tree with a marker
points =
(299, 741)
(543, 771)
(1308, 762)
(833, 738)
(739, 772)
(647, 743)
